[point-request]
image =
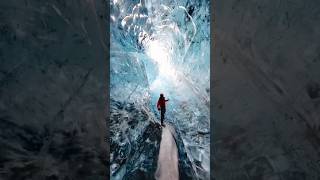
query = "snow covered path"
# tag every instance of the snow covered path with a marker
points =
(168, 157)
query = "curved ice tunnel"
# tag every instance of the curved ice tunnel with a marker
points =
(163, 47)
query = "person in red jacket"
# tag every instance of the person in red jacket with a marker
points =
(161, 105)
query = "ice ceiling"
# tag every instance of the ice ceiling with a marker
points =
(162, 46)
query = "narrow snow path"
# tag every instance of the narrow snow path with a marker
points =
(168, 157)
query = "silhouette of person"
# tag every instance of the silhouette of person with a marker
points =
(161, 105)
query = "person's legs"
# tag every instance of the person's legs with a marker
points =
(162, 115)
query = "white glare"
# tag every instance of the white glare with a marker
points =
(157, 51)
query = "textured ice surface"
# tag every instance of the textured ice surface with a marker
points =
(163, 47)
(52, 100)
(266, 69)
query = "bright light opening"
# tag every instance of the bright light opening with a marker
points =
(159, 52)
(161, 55)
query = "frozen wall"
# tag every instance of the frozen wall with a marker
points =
(53, 90)
(266, 89)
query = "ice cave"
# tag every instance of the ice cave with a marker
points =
(159, 46)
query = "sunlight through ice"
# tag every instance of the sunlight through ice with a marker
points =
(159, 53)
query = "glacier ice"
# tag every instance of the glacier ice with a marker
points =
(162, 47)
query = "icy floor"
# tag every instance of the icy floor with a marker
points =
(168, 157)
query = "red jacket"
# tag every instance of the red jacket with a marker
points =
(161, 103)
